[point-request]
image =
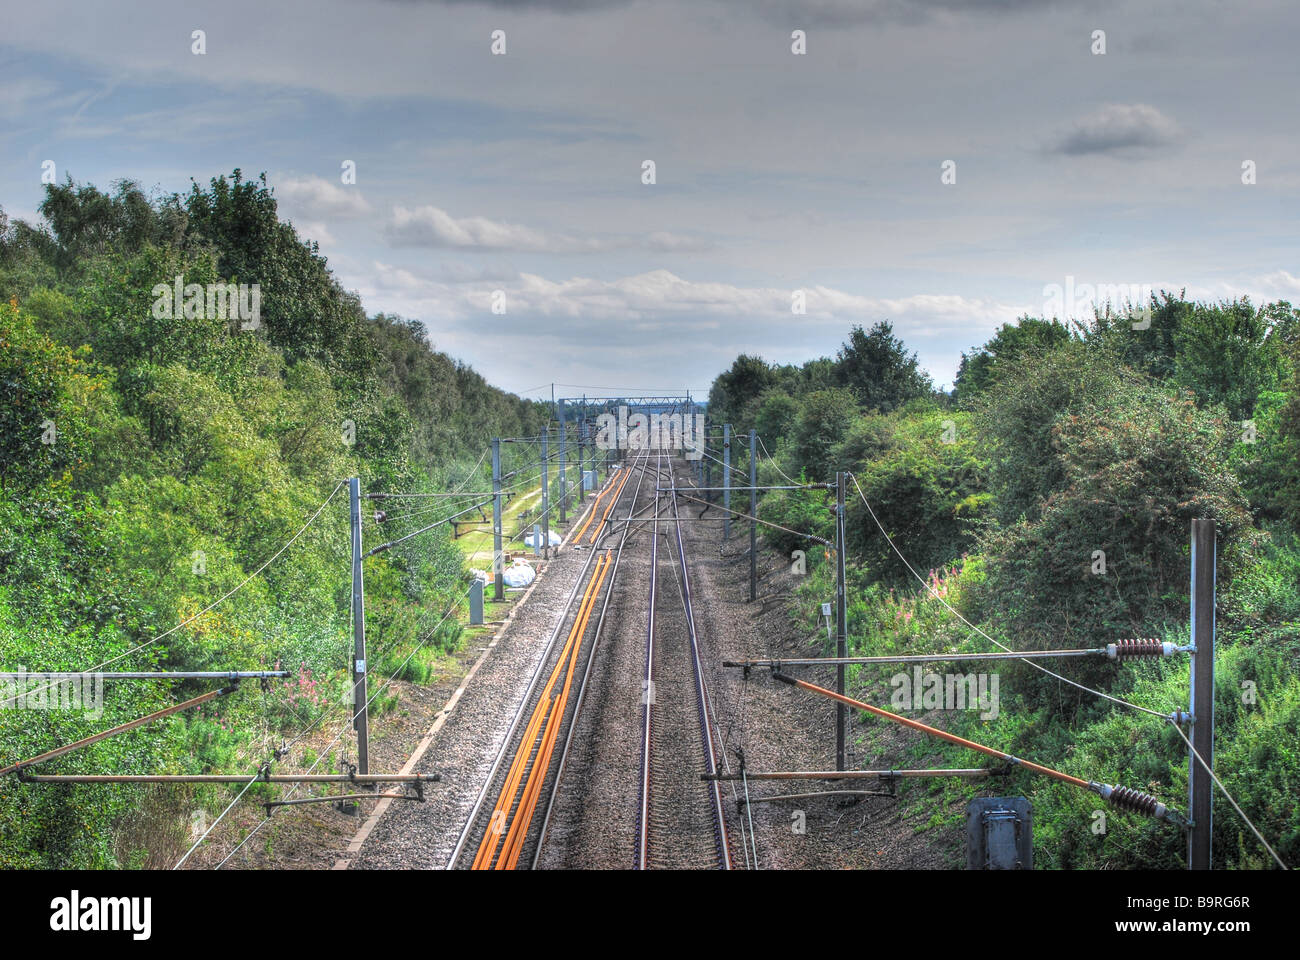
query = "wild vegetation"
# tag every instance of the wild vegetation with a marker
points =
(1047, 499)
(152, 463)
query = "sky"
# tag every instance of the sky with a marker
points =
(946, 165)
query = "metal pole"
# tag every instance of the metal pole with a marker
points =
(708, 466)
(546, 497)
(235, 778)
(122, 728)
(726, 480)
(156, 675)
(699, 464)
(361, 720)
(498, 561)
(925, 658)
(564, 455)
(582, 445)
(841, 626)
(767, 486)
(1199, 785)
(753, 513)
(971, 772)
(591, 441)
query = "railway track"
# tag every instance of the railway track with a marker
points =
(505, 827)
(601, 764)
(677, 741)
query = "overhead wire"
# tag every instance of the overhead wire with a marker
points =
(1236, 806)
(346, 724)
(1163, 716)
(935, 593)
(772, 460)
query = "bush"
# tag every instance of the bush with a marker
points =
(1106, 556)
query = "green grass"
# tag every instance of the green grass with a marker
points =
(1255, 742)
(476, 544)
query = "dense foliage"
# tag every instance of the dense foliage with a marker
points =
(152, 461)
(1047, 500)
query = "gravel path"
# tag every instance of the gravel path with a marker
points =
(422, 835)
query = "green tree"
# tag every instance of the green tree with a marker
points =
(776, 416)
(878, 370)
(1017, 416)
(305, 311)
(978, 369)
(44, 406)
(1225, 355)
(736, 394)
(824, 419)
(928, 489)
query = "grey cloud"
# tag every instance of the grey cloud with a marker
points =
(1118, 128)
(797, 13)
(554, 6)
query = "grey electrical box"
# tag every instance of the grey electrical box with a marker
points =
(476, 602)
(589, 479)
(999, 834)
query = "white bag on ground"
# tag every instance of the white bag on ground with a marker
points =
(477, 574)
(519, 574)
(554, 539)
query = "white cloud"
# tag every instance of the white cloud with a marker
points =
(315, 230)
(660, 300)
(657, 321)
(665, 242)
(318, 198)
(430, 226)
(26, 93)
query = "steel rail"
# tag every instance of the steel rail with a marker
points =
(613, 502)
(536, 732)
(974, 772)
(524, 704)
(701, 690)
(913, 658)
(647, 698)
(336, 797)
(1122, 797)
(392, 543)
(550, 710)
(586, 675)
